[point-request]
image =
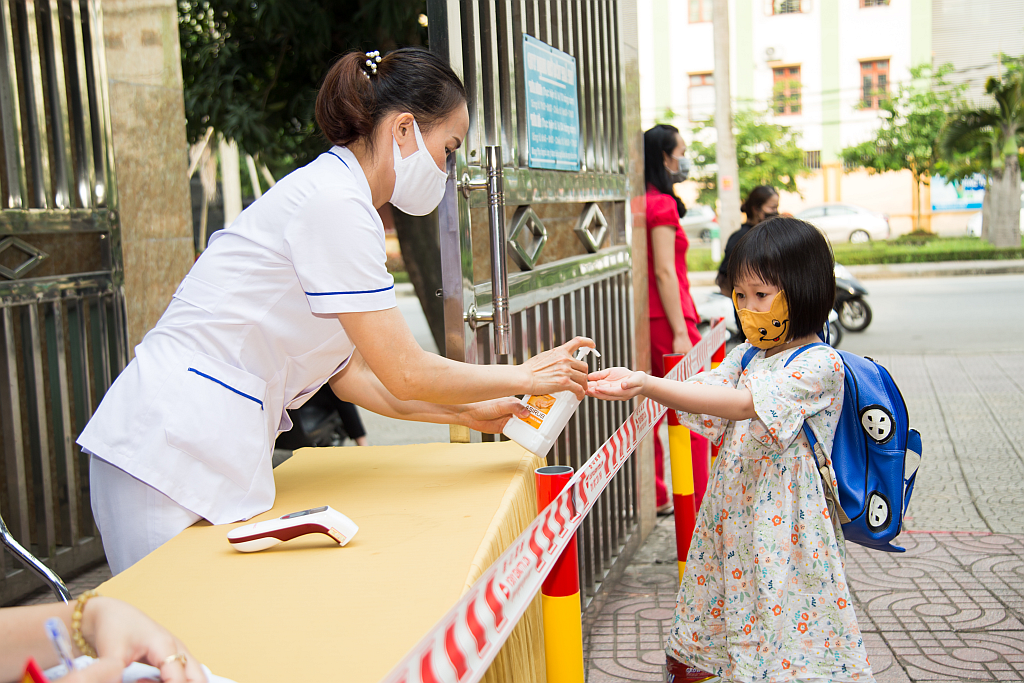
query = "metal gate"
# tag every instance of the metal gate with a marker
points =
(62, 316)
(568, 232)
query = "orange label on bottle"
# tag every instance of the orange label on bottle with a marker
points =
(539, 407)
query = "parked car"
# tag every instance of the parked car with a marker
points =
(847, 223)
(698, 222)
(974, 222)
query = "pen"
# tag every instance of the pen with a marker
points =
(58, 635)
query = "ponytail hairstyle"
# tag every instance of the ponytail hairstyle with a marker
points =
(796, 257)
(757, 198)
(359, 91)
(658, 141)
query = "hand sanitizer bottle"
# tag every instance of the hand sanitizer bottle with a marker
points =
(548, 416)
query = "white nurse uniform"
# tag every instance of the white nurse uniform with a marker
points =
(251, 331)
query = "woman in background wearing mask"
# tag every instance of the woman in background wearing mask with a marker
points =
(673, 315)
(762, 203)
(292, 295)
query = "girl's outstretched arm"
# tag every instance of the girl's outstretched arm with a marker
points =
(622, 384)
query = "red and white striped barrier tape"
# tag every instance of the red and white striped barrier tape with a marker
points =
(460, 647)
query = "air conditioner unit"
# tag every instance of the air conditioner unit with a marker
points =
(773, 54)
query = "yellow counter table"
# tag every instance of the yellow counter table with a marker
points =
(431, 518)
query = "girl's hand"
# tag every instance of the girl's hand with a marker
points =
(616, 384)
(681, 342)
(558, 370)
(491, 417)
(122, 633)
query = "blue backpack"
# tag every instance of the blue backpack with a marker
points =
(875, 453)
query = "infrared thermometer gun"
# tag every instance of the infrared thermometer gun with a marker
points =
(263, 535)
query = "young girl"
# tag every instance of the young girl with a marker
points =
(764, 596)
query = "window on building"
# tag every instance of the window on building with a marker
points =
(874, 3)
(874, 76)
(812, 159)
(786, 6)
(700, 10)
(701, 96)
(787, 89)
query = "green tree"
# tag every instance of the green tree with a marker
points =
(993, 137)
(907, 138)
(251, 68)
(767, 154)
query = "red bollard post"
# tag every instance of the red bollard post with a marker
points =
(681, 457)
(560, 593)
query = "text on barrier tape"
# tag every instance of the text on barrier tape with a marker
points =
(460, 647)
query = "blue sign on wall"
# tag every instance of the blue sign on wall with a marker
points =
(552, 107)
(959, 195)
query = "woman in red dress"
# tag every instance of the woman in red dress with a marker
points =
(672, 313)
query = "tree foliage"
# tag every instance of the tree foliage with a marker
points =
(766, 153)
(912, 119)
(993, 137)
(907, 138)
(990, 135)
(251, 68)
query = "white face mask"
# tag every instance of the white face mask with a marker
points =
(419, 183)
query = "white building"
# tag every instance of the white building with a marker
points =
(820, 65)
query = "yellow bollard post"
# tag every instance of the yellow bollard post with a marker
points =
(681, 457)
(560, 593)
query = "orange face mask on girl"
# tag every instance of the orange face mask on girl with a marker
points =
(765, 329)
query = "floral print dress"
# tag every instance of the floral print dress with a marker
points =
(764, 595)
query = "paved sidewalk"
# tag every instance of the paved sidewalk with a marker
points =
(952, 607)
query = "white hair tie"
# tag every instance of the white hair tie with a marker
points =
(370, 65)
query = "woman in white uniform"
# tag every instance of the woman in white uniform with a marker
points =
(292, 294)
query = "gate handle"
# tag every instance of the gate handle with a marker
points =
(33, 563)
(499, 314)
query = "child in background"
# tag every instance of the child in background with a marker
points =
(764, 596)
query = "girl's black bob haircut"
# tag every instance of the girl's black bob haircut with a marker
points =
(797, 258)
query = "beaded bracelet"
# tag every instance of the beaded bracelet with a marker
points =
(76, 624)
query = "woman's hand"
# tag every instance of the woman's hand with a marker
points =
(103, 670)
(558, 370)
(122, 633)
(616, 384)
(490, 417)
(681, 342)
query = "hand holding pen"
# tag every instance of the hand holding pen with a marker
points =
(119, 633)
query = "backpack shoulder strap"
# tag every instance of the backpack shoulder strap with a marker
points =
(748, 356)
(801, 350)
(808, 432)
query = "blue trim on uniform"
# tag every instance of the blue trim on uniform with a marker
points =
(364, 291)
(227, 386)
(331, 152)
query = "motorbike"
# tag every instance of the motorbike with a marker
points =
(718, 306)
(853, 311)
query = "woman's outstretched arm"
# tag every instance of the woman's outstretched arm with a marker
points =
(409, 373)
(359, 385)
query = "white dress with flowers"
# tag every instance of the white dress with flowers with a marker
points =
(764, 595)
